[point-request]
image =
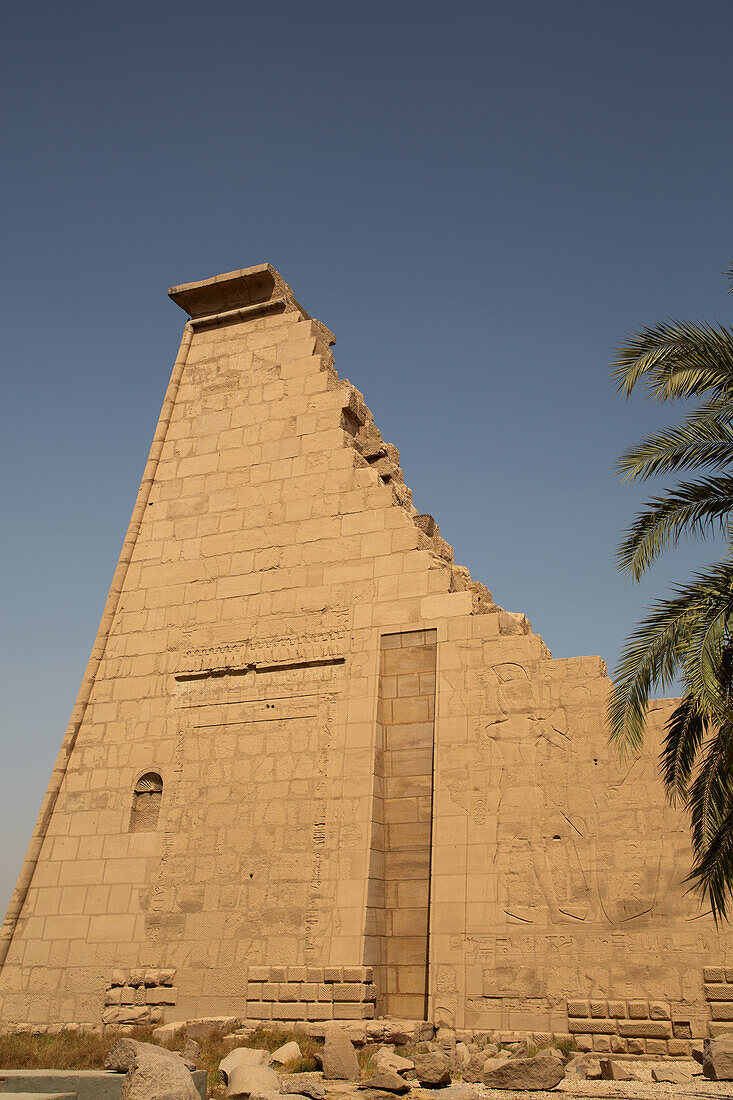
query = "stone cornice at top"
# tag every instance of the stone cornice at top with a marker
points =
(235, 290)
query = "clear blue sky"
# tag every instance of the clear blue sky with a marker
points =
(480, 199)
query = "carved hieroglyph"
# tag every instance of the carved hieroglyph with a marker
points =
(338, 832)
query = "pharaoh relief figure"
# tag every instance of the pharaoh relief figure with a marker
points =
(519, 736)
(557, 816)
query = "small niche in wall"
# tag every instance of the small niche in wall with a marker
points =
(146, 798)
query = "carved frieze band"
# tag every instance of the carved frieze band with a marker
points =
(327, 644)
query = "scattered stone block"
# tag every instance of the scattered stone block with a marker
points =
(167, 1033)
(242, 1056)
(615, 1071)
(432, 1070)
(284, 1054)
(525, 1074)
(670, 1075)
(385, 1058)
(250, 1080)
(191, 1055)
(717, 1058)
(339, 1057)
(387, 1080)
(461, 1055)
(151, 1071)
(204, 1028)
(473, 1071)
(579, 1065)
(304, 1084)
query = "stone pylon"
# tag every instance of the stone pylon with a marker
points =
(314, 772)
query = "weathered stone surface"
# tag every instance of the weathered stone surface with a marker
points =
(458, 1091)
(717, 1059)
(247, 1080)
(242, 1056)
(551, 1052)
(167, 1033)
(461, 1055)
(473, 1071)
(151, 1072)
(490, 1064)
(615, 1071)
(672, 1075)
(432, 1070)
(203, 1029)
(339, 1057)
(582, 1066)
(386, 1058)
(303, 1084)
(191, 1055)
(387, 1080)
(284, 1054)
(526, 1074)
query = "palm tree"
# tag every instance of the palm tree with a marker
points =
(688, 637)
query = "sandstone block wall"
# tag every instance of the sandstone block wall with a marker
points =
(314, 772)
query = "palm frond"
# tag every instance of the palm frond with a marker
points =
(690, 511)
(710, 802)
(661, 646)
(676, 359)
(705, 438)
(683, 736)
(709, 640)
(711, 875)
(650, 658)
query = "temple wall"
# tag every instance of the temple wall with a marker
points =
(379, 791)
(558, 896)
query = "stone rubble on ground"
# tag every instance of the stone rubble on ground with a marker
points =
(522, 1074)
(167, 1033)
(583, 1067)
(432, 1070)
(245, 1056)
(461, 1055)
(339, 1057)
(386, 1080)
(670, 1075)
(496, 1061)
(458, 1092)
(615, 1071)
(247, 1080)
(151, 1072)
(387, 1058)
(288, 1052)
(207, 1026)
(191, 1055)
(304, 1084)
(717, 1059)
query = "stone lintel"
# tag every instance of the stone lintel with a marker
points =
(252, 286)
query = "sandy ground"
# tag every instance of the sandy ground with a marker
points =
(644, 1089)
(697, 1088)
